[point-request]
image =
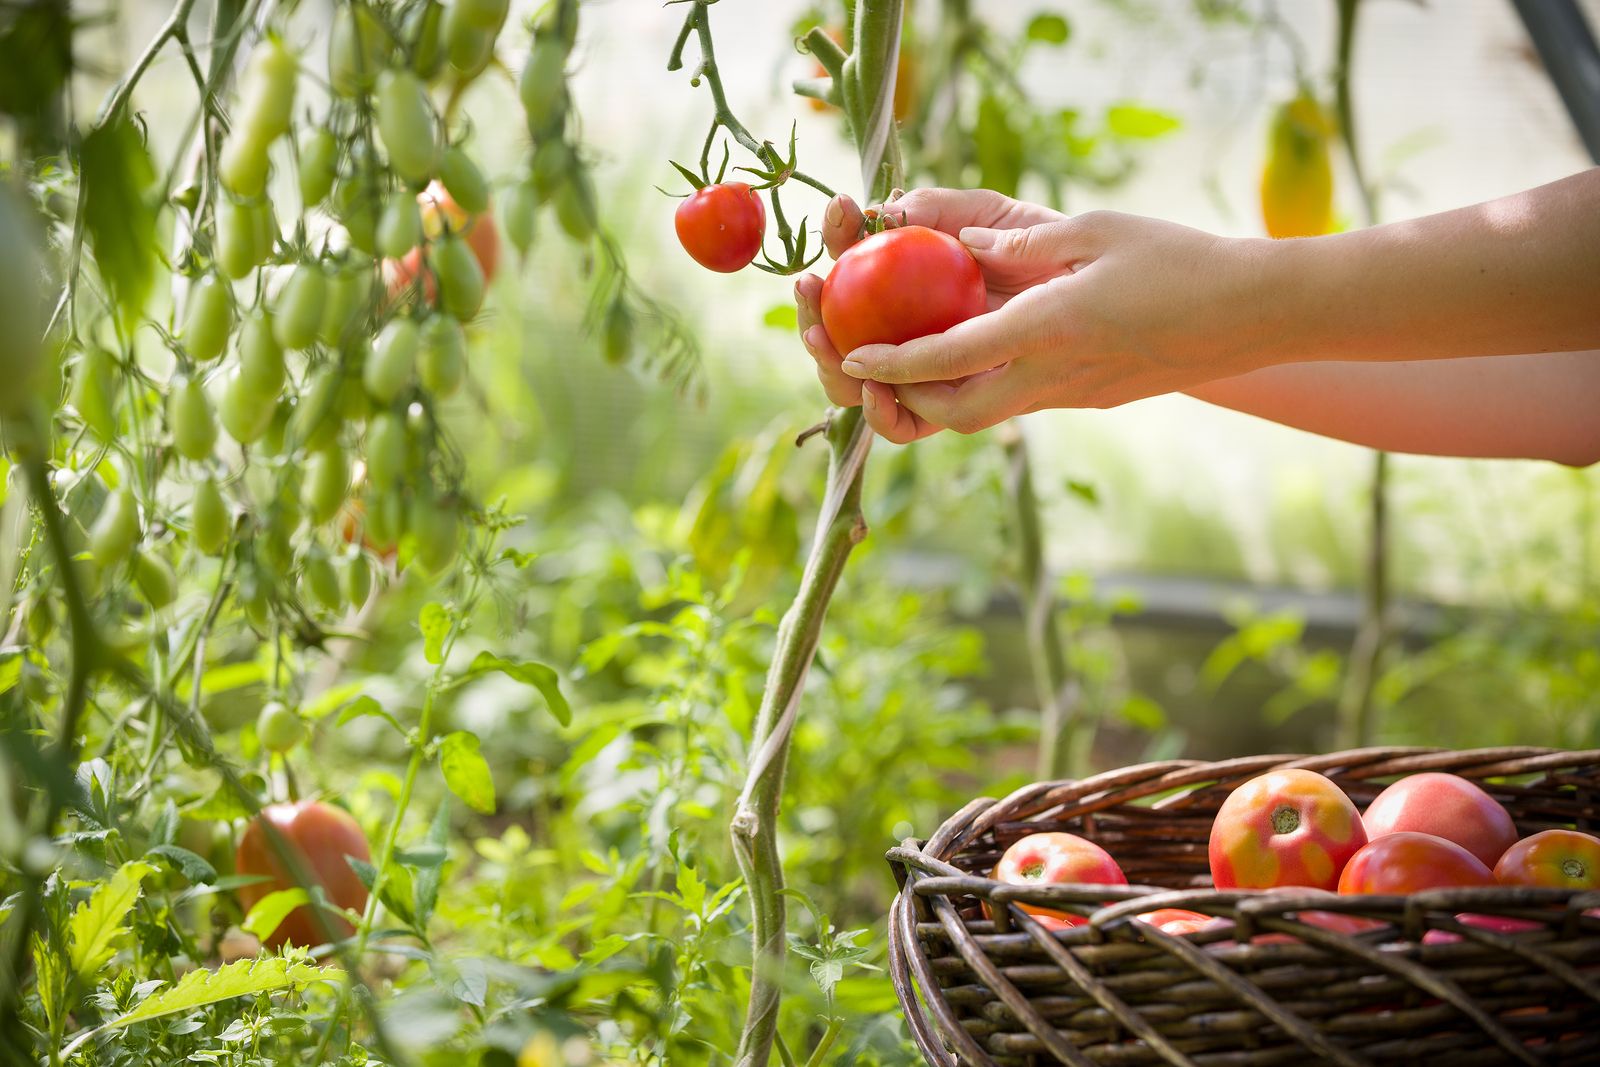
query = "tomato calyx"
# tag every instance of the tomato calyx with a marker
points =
(1285, 819)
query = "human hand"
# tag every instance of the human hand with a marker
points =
(1090, 311)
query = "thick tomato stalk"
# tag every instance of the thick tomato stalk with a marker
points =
(1404, 862)
(1057, 859)
(1447, 806)
(439, 213)
(898, 285)
(721, 226)
(1284, 828)
(324, 836)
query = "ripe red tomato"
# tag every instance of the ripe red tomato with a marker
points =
(898, 285)
(324, 835)
(721, 226)
(439, 210)
(1174, 920)
(1405, 862)
(1563, 859)
(1289, 827)
(1057, 858)
(1446, 806)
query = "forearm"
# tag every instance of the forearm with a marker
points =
(1513, 407)
(1516, 275)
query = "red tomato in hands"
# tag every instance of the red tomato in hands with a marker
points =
(1289, 827)
(1447, 806)
(1404, 862)
(899, 285)
(721, 226)
(1562, 859)
(1057, 858)
(323, 835)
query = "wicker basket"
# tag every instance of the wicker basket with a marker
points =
(1423, 988)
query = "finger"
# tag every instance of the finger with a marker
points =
(968, 406)
(808, 301)
(889, 419)
(1016, 259)
(970, 347)
(841, 225)
(951, 210)
(840, 387)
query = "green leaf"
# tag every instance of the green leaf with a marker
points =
(1143, 713)
(97, 924)
(1137, 121)
(10, 672)
(191, 865)
(119, 213)
(270, 911)
(396, 892)
(998, 147)
(538, 675)
(272, 974)
(363, 706)
(466, 772)
(1049, 29)
(331, 700)
(434, 622)
(429, 874)
(782, 317)
(1084, 491)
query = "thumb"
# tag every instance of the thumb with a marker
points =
(1017, 258)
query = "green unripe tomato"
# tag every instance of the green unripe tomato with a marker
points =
(266, 91)
(386, 449)
(315, 423)
(261, 358)
(442, 362)
(299, 311)
(319, 165)
(96, 389)
(319, 581)
(425, 31)
(244, 411)
(519, 209)
(543, 85)
(155, 578)
(552, 165)
(356, 205)
(400, 229)
(279, 729)
(460, 277)
(386, 517)
(357, 578)
(242, 166)
(406, 126)
(116, 530)
(275, 439)
(616, 339)
(358, 49)
(464, 181)
(257, 602)
(189, 417)
(575, 206)
(435, 530)
(327, 480)
(393, 360)
(265, 221)
(469, 47)
(236, 245)
(209, 319)
(208, 518)
(484, 14)
(354, 403)
(340, 304)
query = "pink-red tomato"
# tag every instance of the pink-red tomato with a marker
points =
(324, 836)
(1174, 920)
(1405, 862)
(721, 226)
(1447, 806)
(1057, 858)
(1289, 827)
(441, 212)
(898, 285)
(1562, 859)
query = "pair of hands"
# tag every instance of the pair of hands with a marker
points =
(1092, 310)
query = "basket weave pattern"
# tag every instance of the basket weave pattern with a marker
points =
(1424, 988)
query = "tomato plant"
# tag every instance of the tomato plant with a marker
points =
(722, 225)
(1289, 827)
(1447, 806)
(898, 285)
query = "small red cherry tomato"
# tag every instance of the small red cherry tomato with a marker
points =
(721, 226)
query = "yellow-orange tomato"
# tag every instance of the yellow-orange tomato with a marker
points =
(441, 212)
(1447, 806)
(1404, 862)
(1297, 180)
(1562, 859)
(1057, 859)
(1288, 827)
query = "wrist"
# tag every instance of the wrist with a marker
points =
(1251, 294)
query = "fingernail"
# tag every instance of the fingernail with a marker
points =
(869, 399)
(835, 213)
(977, 237)
(797, 297)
